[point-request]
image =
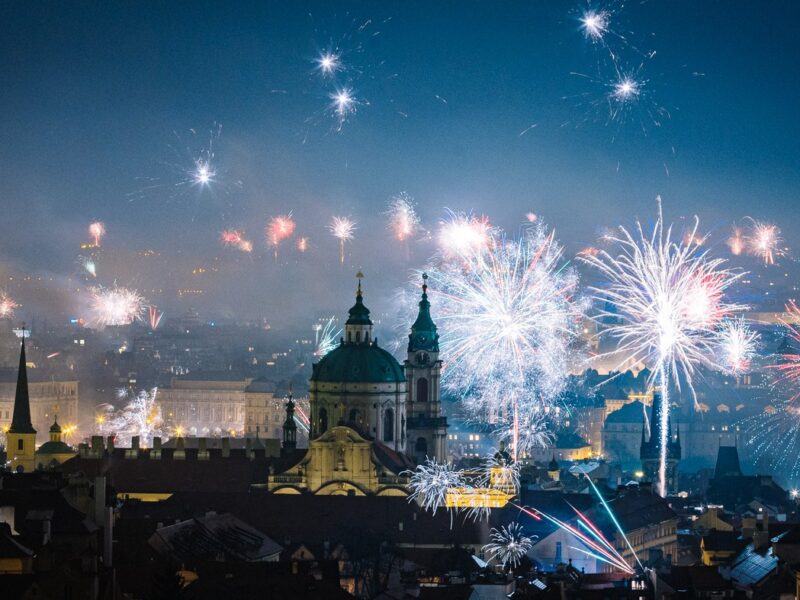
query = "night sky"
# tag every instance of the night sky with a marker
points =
(99, 102)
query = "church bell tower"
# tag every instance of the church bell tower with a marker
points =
(426, 428)
(21, 436)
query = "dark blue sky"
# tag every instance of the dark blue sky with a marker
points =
(92, 94)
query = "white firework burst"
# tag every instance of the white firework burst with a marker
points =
(508, 545)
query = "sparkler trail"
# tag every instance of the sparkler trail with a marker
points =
(97, 230)
(668, 301)
(595, 24)
(115, 306)
(508, 544)
(343, 229)
(510, 323)
(7, 305)
(279, 228)
(403, 220)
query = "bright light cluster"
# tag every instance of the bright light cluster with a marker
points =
(508, 545)
(403, 220)
(115, 306)
(141, 416)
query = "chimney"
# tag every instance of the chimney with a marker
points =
(180, 450)
(97, 446)
(202, 449)
(226, 447)
(155, 453)
(248, 448)
(108, 536)
(47, 527)
(99, 499)
(110, 444)
(133, 451)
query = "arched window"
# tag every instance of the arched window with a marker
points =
(323, 420)
(388, 425)
(354, 415)
(421, 449)
(422, 390)
(358, 336)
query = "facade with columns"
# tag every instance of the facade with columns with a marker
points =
(371, 418)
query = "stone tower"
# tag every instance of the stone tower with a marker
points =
(21, 436)
(427, 428)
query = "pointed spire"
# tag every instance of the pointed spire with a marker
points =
(21, 421)
(423, 334)
(359, 314)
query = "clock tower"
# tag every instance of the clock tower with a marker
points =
(426, 427)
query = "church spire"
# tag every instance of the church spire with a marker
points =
(289, 426)
(358, 328)
(21, 421)
(423, 334)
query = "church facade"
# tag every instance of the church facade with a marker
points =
(372, 418)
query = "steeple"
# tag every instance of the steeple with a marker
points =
(289, 427)
(358, 328)
(21, 421)
(423, 334)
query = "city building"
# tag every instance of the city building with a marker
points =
(371, 418)
(48, 398)
(218, 404)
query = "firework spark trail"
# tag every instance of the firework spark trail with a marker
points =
(97, 230)
(88, 265)
(509, 323)
(343, 229)
(736, 242)
(7, 305)
(155, 316)
(141, 416)
(508, 544)
(603, 549)
(737, 345)
(115, 306)
(343, 105)
(327, 337)
(278, 229)
(403, 220)
(329, 63)
(668, 300)
(431, 482)
(302, 244)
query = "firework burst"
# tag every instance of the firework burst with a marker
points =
(736, 242)
(594, 24)
(88, 265)
(7, 306)
(462, 233)
(96, 231)
(668, 304)
(763, 241)
(343, 105)
(510, 325)
(737, 346)
(508, 545)
(233, 238)
(403, 220)
(343, 229)
(302, 244)
(278, 229)
(329, 63)
(116, 306)
(141, 416)
(431, 482)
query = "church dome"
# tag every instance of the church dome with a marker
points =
(358, 363)
(54, 448)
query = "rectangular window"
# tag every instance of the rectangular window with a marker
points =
(19, 445)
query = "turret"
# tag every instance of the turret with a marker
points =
(289, 428)
(358, 328)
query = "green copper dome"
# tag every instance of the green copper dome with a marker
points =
(54, 448)
(358, 363)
